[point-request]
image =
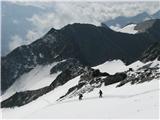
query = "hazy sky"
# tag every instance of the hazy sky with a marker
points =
(24, 22)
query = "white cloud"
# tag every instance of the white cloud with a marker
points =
(89, 12)
(115, 28)
(34, 3)
(16, 41)
(32, 36)
(15, 21)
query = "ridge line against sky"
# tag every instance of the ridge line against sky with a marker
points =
(58, 14)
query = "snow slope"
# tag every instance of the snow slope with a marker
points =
(127, 29)
(40, 103)
(112, 66)
(140, 102)
(115, 66)
(129, 101)
(37, 78)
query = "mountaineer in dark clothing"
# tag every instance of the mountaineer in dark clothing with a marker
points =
(100, 93)
(80, 96)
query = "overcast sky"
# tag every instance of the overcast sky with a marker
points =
(31, 20)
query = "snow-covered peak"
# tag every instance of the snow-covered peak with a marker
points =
(136, 65)
(112, 66)
(127, 29)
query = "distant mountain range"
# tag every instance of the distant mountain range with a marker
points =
(88, 44)
(134, 28)
(123, 21)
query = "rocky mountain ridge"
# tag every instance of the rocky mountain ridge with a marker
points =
(88, 44)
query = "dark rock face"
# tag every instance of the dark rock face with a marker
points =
(22, 98)
(114, 78)
(98, 44)
(97, 73)
(90, 74)
(151, 53)
(89, 44)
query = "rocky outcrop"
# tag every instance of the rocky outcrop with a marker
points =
(114, 78)
(68, 74)
(22, 98)
(145, 73)
(90, 80)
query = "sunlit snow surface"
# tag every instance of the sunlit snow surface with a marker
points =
(127, 29)
(112, 67)
(128, 101)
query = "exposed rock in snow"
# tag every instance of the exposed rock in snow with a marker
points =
(89, 80)
(136, 73)
(145, 73)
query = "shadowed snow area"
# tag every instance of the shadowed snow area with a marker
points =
(37, 78)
